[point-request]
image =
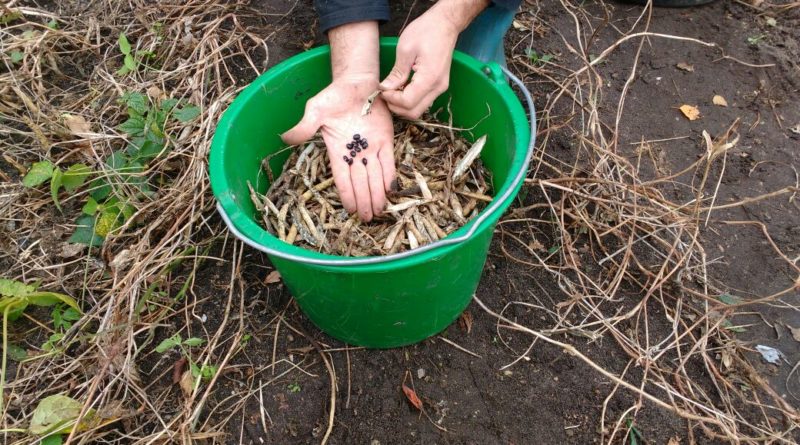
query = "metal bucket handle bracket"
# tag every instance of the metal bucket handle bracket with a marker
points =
(449, 241)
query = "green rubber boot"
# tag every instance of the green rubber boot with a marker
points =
(483, 38)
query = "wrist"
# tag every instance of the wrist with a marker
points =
(458, 13)
(355, 52)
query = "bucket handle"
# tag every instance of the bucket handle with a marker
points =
(521, 174)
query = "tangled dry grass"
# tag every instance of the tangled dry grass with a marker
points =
(628, 256)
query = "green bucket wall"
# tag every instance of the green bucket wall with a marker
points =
(393, 303)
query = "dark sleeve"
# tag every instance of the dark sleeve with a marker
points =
(511, 5)
(333, 13)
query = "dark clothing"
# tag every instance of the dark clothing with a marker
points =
(333, 13)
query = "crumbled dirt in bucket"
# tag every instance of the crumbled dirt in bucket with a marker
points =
(441, 184)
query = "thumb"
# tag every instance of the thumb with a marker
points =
(400, 72)
(304, 130)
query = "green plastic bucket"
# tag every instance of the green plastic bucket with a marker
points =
(377, 302)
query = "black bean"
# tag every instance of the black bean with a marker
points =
(356, 136)
(364, 145)
(353, 153)
(364, 161)
(349, 162)
(362, 141)
(346, 159)
(349, 145)
(358, 149)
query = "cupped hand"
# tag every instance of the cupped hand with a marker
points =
(426, 48)
(337, 113)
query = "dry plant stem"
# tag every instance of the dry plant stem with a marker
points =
(600, 210)
(571, 350)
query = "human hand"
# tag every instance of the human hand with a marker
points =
(426, 47)
(337, 112)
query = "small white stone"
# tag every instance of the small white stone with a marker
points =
(420, 373)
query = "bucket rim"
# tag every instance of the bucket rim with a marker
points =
(248, 231)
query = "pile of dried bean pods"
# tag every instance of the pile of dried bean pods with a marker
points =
(442, 184)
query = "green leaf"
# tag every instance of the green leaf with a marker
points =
(53, 439)
(50, 298)
(55, 186)
(117, 160)
(16, 352)
(124, 44)
(38, 174)
(127, 211)
(56, 414)
(160, 120)
(51, 342)
(13, 288)
(100, 189)
(63, 318)
(17, 309)
(84, 232)
(90, 208)
(9, 17)
(71, 314)
(123, 71)
(169, 343)
(108, 221)
(194, 341)
(16, 57)
(75, 176)
(730, 299)
(187, 113)
(52, 24)
(134, 126)
(137, 102)
(130, 62)
(168, 104)
(58, 320)
(149, 150)
(207, 372)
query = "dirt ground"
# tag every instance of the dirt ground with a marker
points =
(551, 397)
(546, 396)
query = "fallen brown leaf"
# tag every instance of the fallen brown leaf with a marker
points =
(465, 321)
(156, 93)
(719, 100)
(187, 383)
(795, 332)
(71, 250)
(536, 245)
(412, 397)
(177, 370)
(273, 277)
(685, 66)
(519, 26)
(691, 112)
(77, 124)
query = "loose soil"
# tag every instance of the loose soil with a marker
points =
(552, 397)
